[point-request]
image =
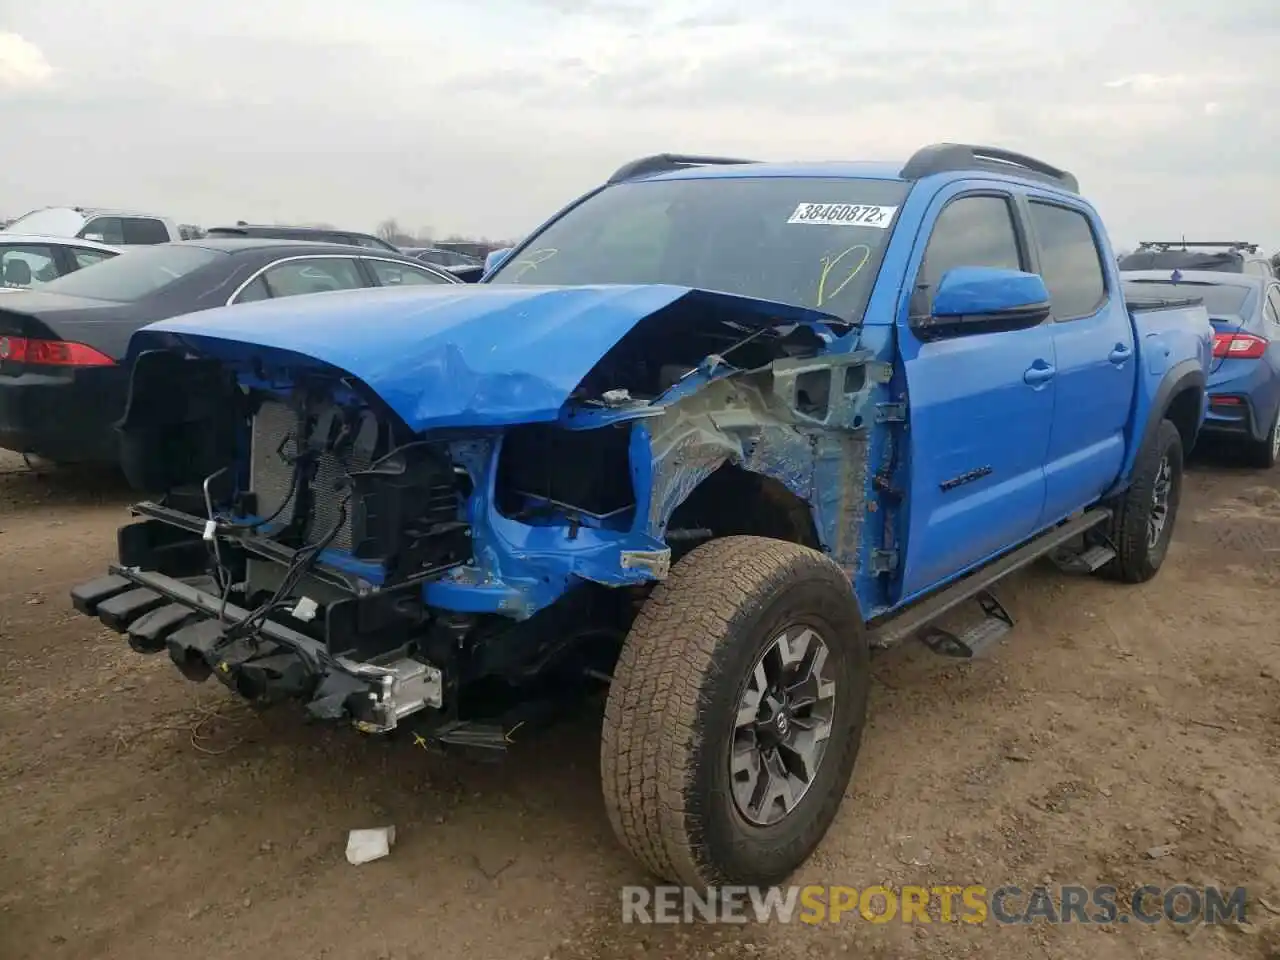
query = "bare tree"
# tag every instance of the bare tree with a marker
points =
(389, 229)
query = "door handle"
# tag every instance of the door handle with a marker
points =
(1038, 373)
(1120, 353)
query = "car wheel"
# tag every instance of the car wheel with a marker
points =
(735, 713)
(1144, 517)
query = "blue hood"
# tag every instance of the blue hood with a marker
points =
(454, 356)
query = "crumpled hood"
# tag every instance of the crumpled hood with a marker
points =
(482, 355)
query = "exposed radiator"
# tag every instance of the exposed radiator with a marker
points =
(275, 442)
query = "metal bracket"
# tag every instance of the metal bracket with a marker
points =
(891, 412)
(884, 561)
(878, 372)
(404, 687)
(656, 562)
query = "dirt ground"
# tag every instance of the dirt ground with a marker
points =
(142, 816)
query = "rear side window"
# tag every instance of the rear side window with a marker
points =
(1272, 307)
(391, 274)
(319, 275)
(1070, 261)
(144, 230)
(84, 257)
(26, 265)
(257, 290)
(972, 232)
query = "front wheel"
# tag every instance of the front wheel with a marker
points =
(736, 713)
(1142, 525)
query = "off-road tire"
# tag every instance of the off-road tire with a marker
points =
(669, 717)
(1136, 560)
(1263, 453)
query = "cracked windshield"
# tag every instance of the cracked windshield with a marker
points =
(809, 243)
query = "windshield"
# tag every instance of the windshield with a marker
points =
(51, 222)
(134, 274)
(1220, 300)
(805, 242)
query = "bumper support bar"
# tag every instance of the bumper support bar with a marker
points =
(274, 662)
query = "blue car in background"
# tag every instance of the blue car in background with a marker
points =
(1244, 381)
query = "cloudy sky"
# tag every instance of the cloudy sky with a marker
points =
(483, 116)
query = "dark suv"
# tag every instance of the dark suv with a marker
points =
(1223, 257)
(318, 234)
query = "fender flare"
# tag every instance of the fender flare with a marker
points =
(1181, 376)
(1184, 375)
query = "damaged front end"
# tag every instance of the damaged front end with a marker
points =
(443, 508)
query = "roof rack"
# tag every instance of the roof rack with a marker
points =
(664, 162)
(947, 157)
(1232, 245)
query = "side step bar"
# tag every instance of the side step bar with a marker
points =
(996, 622)
(899, 626)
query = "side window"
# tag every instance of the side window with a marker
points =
(104, 230)
(313, 275)
(257, 290)
(24, 266)
(971, 232)
(391, 274)
(368, 242)
(1070, 261)
(84, 257)
(144, 230)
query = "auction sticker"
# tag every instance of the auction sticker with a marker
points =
(843, 215)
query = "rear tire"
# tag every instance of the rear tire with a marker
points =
(681, 767)
(1265, 453)
(1147, 511)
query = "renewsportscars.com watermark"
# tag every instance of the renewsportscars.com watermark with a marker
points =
(963, 903)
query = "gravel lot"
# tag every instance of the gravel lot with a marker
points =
(146, 817)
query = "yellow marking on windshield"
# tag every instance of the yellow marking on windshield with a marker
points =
(829, 264)
(530, 262)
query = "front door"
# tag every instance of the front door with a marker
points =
(981, 406)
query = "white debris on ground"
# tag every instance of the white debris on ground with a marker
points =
(366, 845)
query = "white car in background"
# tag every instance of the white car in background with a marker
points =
(116, 227)
(28, 260)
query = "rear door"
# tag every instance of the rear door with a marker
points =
(981, 404)
(1096, 360)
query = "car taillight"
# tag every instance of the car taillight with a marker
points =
(1240, 346)
(52, 353)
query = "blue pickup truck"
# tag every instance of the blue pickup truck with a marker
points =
(704, 439)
